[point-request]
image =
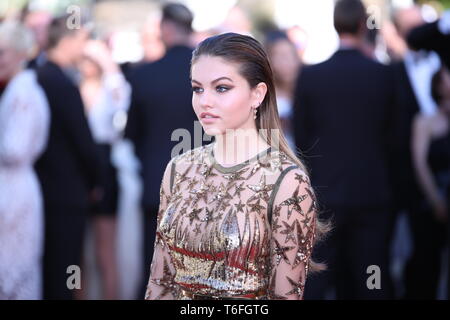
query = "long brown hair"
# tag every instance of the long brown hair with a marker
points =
(254, 66)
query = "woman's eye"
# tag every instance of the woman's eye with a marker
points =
(222, 89)
(197, 89)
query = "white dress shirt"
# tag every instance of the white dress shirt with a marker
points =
(420, 67)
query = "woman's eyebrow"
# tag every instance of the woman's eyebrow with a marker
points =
(221, 78)
(214, 81)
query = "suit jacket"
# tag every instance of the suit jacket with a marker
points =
(69, 168)
(160, 104)
(428, 37)
(342, 124)
(403, 177)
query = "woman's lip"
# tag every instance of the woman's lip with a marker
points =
(208, 120)
(204, 114)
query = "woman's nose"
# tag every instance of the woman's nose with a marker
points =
(206, 100)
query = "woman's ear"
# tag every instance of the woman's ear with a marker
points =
(259, 93)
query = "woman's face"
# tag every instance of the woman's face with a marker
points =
(284, 61)
(88, 68)
(10, 61)
(222, 99)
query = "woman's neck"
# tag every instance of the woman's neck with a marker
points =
(237, 146)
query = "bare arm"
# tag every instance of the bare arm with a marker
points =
(425, 129)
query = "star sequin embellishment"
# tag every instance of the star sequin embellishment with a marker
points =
(179, 178)
(295, 201)
(306, 222)
(201, 193)
(305, 244)
(313, 205)
(240, 206)
(284, 158)
(280, 252)
(289, 232)
(297, 288)
(222, 194)
(261, 189)
(255, 168)
(277, 211)
(275, 164)
(239, 189)
(192, 183)
(276, 226)
(166, 281)
(236, 176)
(193, 215)
(188, 200)
(256, 206)
(224, 205)
(176, 197)
(301, 178)
(207, 172)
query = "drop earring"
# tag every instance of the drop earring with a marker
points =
(255, 111)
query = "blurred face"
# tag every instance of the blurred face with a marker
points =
(10, 61)
(73, 44)
(38, 23)
(151, 42)
(408, 19)
(88, 68)
(222, 99)
(284, 61)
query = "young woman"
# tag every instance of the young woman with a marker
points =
(426, 130)
(286, 65)
(24, 126)
(106, 96)
(238, 217)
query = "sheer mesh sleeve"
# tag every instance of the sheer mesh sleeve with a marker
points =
(24, 119)
(160, 285)
(293, 231)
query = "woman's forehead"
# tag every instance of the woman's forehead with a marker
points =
(210, 68)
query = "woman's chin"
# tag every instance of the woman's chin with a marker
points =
(212, 131)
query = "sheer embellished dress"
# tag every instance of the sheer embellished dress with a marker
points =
(241, 232)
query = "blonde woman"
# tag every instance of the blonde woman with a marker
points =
(24, 121)
(238, 217)
(106, 97)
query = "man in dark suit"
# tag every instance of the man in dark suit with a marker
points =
(68, 169)
(341, 118)
(161, 103)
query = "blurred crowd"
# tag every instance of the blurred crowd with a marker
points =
(84, 141)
